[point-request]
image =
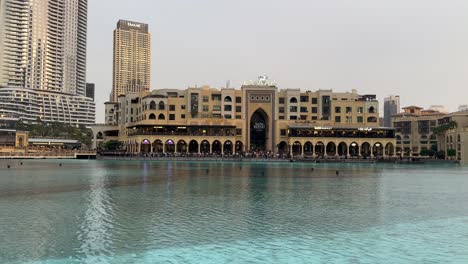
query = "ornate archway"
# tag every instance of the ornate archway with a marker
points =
(258, 130)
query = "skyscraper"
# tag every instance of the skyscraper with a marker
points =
(43, 60)
(391, 107)
(132, 58)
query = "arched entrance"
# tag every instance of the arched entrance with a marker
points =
(378, 150)
(258, 130)
(283, 148)
(331, 149)
(205, 147)
(365, 150)
(216, 147)
(158, 146)
(389, 150)
(170, 146)
(181, 146)
(193, 146)
(354, 149)
(342, 149)
(227, 147)
(297, 148)
(320, 149)
(308, 149)
(146, 146)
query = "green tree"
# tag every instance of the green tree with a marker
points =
(451, 153)
(112, 145)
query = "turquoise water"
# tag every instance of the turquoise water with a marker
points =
(169, 212)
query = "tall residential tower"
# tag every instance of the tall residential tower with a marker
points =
(132, 59)
(391, 107)
(43, 61)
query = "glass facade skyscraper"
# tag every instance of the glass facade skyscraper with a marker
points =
(43, 48)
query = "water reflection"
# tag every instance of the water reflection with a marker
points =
(96, 230)
(99, 212)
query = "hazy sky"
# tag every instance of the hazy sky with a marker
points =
(417, 49)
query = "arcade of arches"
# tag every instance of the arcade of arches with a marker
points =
(303, 147)
(192, 146)
(355, 148)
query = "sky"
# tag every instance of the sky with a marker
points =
(417, 49)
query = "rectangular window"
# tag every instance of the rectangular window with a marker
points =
(281, 100)
(303, 109)
(303, 117)
(238, 117)
(360, 110)
(314, 110)
(338, 110)
(349, 110)
(228, 116)
(337, 119)
(238, 99)
(304, 99)
(349, 119)
(293, 109)
(182, 116)
(238, 109)
(281, 118)
(283, 132)
(182, 107)
(239, 131)
(206, 99)
(314, 118)
(293, 117)
(360, 119)
(206, 108)
(216, 108)
(171, 107)
(281, 110)
(171, 117)
(228, 108)
(314, 100)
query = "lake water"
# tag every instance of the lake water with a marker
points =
(215, 212)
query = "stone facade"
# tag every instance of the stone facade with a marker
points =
(256, 118)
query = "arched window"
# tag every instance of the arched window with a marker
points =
(371, 110)
(161, 106)
(228, 99)
(161, 117)
(152, 105)
(152, 117)
(293, 100)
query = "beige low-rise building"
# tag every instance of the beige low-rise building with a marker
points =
(256, 118)
(419, 131)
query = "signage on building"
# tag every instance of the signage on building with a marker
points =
(259, 126)
(130, 24)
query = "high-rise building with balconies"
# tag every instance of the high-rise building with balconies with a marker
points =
(43, 54)
(132, 59)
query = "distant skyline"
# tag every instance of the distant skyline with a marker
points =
(416, 49)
